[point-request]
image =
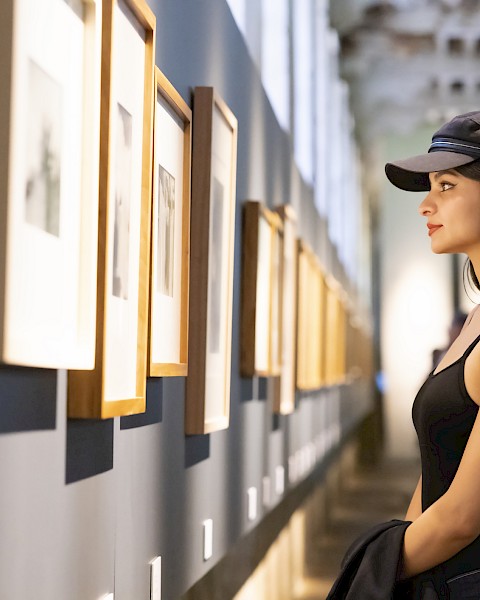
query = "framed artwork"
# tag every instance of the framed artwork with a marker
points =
(116, 385)
(276, 322)
(331, 331)
(168, 336)
(353, 346)
(284, 385)
(214, 159)
(342, 337)
(303, 278)
(360, 350)
(49, 170)
(262, 249)
(336, 332)
(316, 332)
(310, 320)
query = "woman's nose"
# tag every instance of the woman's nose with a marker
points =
(427, 206)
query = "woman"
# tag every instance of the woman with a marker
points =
(445, 508)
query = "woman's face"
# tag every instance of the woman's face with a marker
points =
(452, 208)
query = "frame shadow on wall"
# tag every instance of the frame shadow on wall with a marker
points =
(29, 399)
(253, 388)
(89, 449)
(154, 407)
(90, 442)
(197, 449)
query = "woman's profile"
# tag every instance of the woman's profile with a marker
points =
(435, 551)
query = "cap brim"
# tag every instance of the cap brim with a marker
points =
(411, 174)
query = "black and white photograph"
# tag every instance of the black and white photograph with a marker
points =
(166, 232)
(207, 403)
(215, 275)
(121, 233)
(44, 130)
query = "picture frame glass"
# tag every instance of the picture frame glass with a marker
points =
(219, 269)
(168, 192)
(53, 186)
(276, 302)
(289, 295)
(264, 290)
(124, 206)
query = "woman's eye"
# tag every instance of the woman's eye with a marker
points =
(445, 185)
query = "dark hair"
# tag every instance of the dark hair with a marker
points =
(472, 171)
(470, 276)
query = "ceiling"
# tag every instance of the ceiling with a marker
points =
(408, 61)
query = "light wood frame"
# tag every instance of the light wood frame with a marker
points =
(175, 103)
(316, 332)
(335, 367)
(87, 396)
(261, 268)
(284, 385)
(303, 272)
(206, 411)
(47, 267)
(310, 320)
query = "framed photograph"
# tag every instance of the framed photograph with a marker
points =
(168, 335)
(303, 278)
(276, 303)
(214, 159)
(49, 168)
(316, 332)
(310, 320)
(303, 325)
(116, 386)
(336, 332)
(261, 324)
(342, 337)
(284, 385)
(353, 345)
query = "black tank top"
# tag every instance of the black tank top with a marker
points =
(443, 415)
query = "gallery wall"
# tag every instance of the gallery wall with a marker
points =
(86, 505)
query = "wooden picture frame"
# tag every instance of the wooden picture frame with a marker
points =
(310, 320)
(342, 338)
(170, 258)
(49, 172)
(303, 272)
(335, 366)
(116, 386)
(284, 385)
(260, 320)
(315, 333)
(276, 309)
(214, 158)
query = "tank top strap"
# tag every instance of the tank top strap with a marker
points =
(471, 347)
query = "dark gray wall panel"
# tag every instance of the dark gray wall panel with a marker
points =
(85, 506)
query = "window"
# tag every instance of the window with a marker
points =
(303, 122)
(239, 13)
(275, 57)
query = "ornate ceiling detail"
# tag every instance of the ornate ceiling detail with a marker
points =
(408, 61)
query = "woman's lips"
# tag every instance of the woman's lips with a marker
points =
(433, 228)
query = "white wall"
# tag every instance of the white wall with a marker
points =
(416, 300)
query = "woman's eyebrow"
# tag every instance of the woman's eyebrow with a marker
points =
(440, 173)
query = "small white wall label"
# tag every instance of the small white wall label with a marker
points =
(207, 539)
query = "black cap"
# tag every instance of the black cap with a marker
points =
(456, 143)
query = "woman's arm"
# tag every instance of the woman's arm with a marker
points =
(415, 506)
(453, 521)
